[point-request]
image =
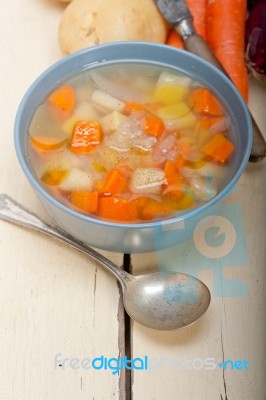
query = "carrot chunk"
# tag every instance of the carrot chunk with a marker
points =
(86, 136)
(63, 98)
(175, 183)
(114, 183)
(219, 148)
(85, 201)
(149, 208)
(202, 101)
(53, 176)
(153, 125)
(132, 106)
(117, 209)
(170, 172)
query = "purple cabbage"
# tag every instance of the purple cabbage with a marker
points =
(255, 40)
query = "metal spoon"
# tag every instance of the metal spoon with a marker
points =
(163, 301)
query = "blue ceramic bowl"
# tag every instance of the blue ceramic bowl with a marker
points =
(141, 237)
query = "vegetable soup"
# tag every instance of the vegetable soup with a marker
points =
(131, 143)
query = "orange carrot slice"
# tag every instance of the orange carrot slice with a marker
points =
(85, 201)
(86, 136)
(63, 98)
(202, 101)
(48, 143)
(170, 172)
(117, 209)
(153, 125)
(114, 183)
(175, 184)
(219, 148)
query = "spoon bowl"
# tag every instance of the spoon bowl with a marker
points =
(166, 301)
(162, 301)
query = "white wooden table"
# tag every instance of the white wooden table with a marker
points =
(58, 306)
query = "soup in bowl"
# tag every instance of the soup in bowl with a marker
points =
(123, 141)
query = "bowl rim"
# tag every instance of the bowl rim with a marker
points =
(139, 225)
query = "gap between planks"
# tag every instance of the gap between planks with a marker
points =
(125, 339)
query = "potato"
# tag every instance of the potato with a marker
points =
(147, 180)
(77, 180)
(86, 23)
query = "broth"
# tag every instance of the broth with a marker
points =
(131, 143)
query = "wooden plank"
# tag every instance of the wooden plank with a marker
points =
(55, 303)
(234, 326)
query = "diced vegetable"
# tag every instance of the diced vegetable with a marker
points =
(170, 78)
(77, 180)
(63, 98)
(203, 188)
(83, 111)
(169, 93)
(171, 88)
(153, 125)
(45, 132)
(132, 106)
(47, 142)
(147, 180)
(219, 148)
(202, 101)
(85, 201)
(53, 176)
(173, 111)
(187, 121)
(107, 101)
(214, 124)
(117, 209)
(149, 208)
(170, 172)
(86, 136)
(175, 183)
(110, 122)
(186, 201)
(114, 183)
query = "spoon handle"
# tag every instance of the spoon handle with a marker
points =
(12, 211)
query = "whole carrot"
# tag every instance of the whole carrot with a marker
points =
(225, 35)
(198, 9)
(173, 39)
